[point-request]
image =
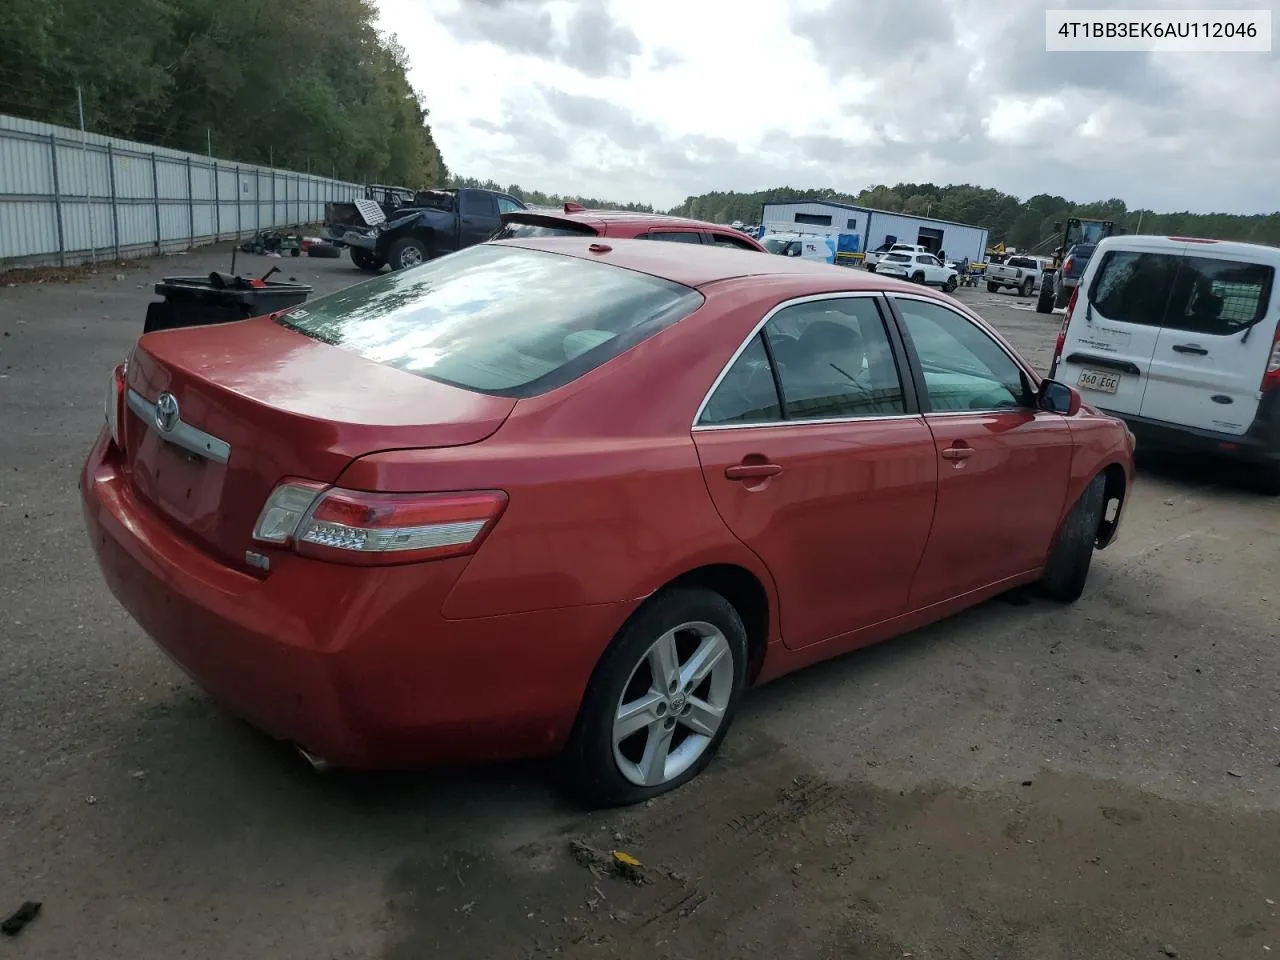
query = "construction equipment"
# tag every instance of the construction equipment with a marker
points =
(1053, 290)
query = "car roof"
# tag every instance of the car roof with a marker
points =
(699, 266)
(1200, 246)
(605, 218)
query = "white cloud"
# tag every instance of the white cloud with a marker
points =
(653, 100)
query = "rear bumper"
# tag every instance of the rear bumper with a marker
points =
(355, 665)
(1259, 444)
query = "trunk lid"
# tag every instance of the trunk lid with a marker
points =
(286, 406)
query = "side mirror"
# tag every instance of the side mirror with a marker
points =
(1055, 397)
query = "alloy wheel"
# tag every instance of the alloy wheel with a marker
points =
(673, 704)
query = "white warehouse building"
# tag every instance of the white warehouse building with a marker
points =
(874, 227)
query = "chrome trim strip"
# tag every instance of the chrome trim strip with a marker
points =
(704, 427)
(812, 298)
(192, 439)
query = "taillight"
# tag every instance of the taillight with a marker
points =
(113, 403)
(353, 526)
(1068, 265)
(1271, 378)
(1066, 322)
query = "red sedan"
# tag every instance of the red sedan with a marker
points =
(574, 496)
(576, 220)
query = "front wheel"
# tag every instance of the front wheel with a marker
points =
(364, 260)
(660, 700)
(949, 285)
(406, 253)
(1069, 560)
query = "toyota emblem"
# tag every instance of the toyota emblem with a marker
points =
(166, 412)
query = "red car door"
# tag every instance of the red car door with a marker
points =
(819, 461)
(1003, 465)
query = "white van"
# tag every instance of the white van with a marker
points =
(1179, 337)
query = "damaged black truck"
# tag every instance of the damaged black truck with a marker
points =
(433, 223)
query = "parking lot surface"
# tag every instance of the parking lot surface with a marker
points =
(1021, 781)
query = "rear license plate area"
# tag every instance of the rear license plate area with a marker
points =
(1101, 381)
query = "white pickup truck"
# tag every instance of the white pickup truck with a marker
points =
(1021, 273)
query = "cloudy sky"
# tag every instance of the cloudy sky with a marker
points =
(655, 100)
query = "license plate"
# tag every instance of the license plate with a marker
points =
(1099, 380)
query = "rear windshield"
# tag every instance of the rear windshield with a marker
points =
(497, 320)
(527, 229)
(1197, 294)
(898, 258)
(1025, 263)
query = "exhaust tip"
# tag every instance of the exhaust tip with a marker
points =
(317, 764)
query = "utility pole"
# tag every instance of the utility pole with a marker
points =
(84, 166)
(1139, 228)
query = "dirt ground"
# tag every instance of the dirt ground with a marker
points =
(1020, 781)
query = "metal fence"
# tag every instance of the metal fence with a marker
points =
(68, 198)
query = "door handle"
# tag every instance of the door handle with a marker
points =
(1198, 350)
(958, 451)
(752, 471)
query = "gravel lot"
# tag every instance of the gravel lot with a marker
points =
(1020, 781)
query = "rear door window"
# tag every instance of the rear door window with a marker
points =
(728, 240)
(497, 320)
(477, 204)
(1218, 297)
(832, 360)
(675, 236)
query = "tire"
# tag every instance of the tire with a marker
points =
(1267, 478)
(295, 251)
(365, 260)
(993, 288)
(1068, 567)
(601, 771)
(324, 251)
(917, 278)
(1063, 296)
(407, 252)
(1044, 303)
(1027, 286)
(950, 285)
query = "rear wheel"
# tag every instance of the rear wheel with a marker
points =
(365, 260)
(660, 700)
(1044, 303)
(917, 277)
(406, 253)
(1027, 286)
(1069, 560)
(993, 288)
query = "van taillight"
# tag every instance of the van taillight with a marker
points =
(357, 527)
(1271, 378)
(1062, 331)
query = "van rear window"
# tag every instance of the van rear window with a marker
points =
(1197, 294)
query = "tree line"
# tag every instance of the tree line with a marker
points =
(1025, 225)
(300, 84)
